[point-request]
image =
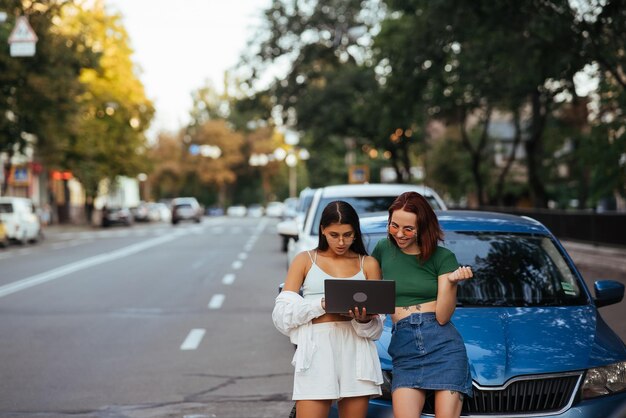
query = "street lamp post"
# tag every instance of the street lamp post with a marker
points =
(291, 160)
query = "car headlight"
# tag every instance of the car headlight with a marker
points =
(605, 380)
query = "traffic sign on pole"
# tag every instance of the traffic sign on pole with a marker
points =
(23, 38)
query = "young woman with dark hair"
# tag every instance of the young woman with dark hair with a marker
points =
(336, 358)
(426, 350)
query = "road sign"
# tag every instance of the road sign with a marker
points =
(22, 38)
(358, 174)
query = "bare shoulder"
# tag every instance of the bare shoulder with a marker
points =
(302, 257)
(370, 261)
(371, 268)
(297, 271)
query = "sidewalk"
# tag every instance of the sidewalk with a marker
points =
(594, 256)
(58, 228)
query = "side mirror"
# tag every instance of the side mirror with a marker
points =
(608, 292)
(288, 228)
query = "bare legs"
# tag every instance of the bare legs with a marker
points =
(408, 403)
(355, 407)
(312, 409)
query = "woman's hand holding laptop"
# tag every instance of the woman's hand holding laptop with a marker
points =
(360, 316)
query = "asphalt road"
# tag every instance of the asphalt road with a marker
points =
(148, 321)
(161, 321)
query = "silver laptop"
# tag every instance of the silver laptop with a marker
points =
(377, 296)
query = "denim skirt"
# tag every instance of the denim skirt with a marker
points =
(429, 356)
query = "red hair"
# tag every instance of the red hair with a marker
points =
(429, 231)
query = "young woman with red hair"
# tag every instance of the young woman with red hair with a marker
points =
(427, 351)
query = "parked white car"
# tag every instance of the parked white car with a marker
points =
(20, 219)
(289, 227)
(237, 210)
(367, 200)
(275, 209)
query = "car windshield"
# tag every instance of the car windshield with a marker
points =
(364, 206)
(304, 203)
(513, 270)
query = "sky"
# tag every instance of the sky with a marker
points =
(179, 45)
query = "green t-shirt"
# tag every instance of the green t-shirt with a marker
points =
(416, 283)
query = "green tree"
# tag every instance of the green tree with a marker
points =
(109, 139)
(37, 94)
(326, 87)
(459, 61)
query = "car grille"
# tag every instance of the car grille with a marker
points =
(519, 397)
(524, 396)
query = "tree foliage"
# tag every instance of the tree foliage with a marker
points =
(115, 112)
(38, 94)
(326, 90)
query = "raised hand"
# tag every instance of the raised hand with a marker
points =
(462, 273)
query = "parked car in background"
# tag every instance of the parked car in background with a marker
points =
(291, 208)
(186, 209)
(141, 212)
(215, 211)
(536, 342)
(159, 212)
(288, 228)
(236, 210)
(275, 209)
(113, 215)
(255, 210)
(367, 200)
(21, 223)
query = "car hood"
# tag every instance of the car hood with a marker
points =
(506, 342)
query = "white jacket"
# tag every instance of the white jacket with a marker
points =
(292, 316)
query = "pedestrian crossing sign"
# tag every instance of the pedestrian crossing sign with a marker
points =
(23, 38)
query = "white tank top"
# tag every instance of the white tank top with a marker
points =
(313, 286)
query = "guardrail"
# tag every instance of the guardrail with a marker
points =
(599, 228)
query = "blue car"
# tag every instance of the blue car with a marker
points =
(536, 342)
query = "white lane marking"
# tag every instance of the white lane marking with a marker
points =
(193, 339)
(83, 264)
(237, 265)
(243, 256)
(262, 225)
(228, 279)
(216, 301)
(247, 247)
(197, 264)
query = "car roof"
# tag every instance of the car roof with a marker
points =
(374, 189)
(468, 220)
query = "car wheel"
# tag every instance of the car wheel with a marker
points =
(285, 245)
(292, 414)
